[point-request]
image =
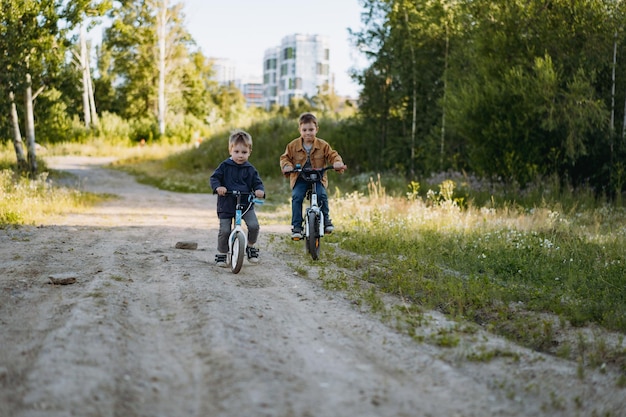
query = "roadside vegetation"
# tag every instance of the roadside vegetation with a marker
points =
(540, 275)
(25, 200)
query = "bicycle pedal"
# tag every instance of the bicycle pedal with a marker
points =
(296, 238)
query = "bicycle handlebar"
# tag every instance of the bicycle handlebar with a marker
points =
(298, 168)
(251, 197)
(308, 174)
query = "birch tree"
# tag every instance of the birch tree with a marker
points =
(90, 114)
(162, 20)
(33, 42)
(149, 51)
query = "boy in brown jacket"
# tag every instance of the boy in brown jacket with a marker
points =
(308, 151)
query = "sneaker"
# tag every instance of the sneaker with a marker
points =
(253, 254)
(296, 233)
(221, 260)
(328, 228)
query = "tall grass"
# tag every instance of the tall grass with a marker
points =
(28, 201)
(487, 264)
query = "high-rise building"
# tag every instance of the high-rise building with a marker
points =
(270, 77)
(299, 67)
(224, 71)
(253, 92)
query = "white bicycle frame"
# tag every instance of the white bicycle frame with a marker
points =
(237, 228)
(237, 252)
(313, 207)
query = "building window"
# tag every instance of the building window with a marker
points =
(326, 54)
(283, 69)
(289, 53)
(322, 69)
(298, 85)
(270, 64)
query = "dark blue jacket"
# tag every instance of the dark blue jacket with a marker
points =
(234, 177)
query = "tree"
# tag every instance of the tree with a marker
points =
(147, 50)
(525, 85)
(518, 89)
(33, 41)
(29, 42)
(405, 41)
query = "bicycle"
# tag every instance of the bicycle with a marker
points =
(313, 216)
(238, 239)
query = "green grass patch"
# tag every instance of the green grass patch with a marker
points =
(29, 201)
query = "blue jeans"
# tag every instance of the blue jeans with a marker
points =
(297, 198)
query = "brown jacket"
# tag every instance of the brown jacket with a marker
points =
(322, 154)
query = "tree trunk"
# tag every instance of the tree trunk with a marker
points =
(85, 71)
(92, 101)
(162, 32)
(444, 104)
(30, 126)
(22, 164)
(414, 82)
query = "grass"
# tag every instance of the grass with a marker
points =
(480, 264)
(28, 201)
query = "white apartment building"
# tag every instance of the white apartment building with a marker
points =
(299, 67)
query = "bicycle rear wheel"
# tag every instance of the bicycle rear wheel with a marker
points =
(238, 252)
(313, 235)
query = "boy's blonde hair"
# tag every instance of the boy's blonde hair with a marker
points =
(307, 118)
(240, 136)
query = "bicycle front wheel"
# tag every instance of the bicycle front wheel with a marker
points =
(238, 252)
(313, 235)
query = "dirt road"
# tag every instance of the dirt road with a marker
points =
(151, 330)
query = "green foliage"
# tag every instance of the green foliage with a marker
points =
(514, 89)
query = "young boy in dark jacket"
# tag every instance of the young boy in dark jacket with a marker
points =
(236, 174)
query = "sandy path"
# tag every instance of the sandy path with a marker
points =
(150, 330)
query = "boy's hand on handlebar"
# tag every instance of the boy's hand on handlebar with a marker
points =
(221, 191)
(287, 169)
(259, 194)
(339, 167)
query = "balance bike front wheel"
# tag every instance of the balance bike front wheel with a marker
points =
(313, 239)
(238, 252)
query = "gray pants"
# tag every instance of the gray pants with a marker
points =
(252, 224)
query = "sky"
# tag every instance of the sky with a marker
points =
(241, 31)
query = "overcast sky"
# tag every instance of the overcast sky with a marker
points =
(241, 30)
